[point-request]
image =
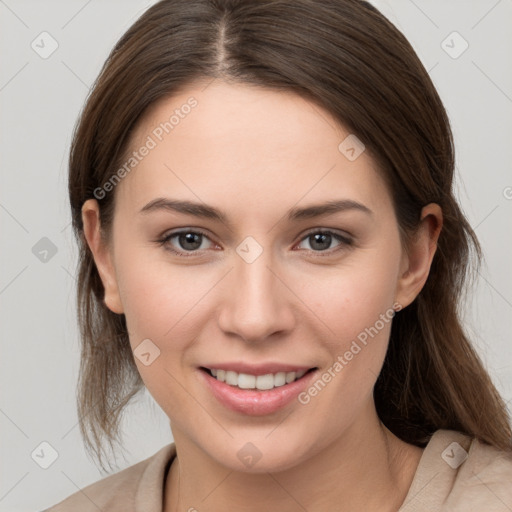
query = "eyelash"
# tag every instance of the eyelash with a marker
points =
(346, 242)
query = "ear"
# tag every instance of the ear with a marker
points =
(418, 257)
(102, 255)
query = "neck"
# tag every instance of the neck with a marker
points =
(366, 468)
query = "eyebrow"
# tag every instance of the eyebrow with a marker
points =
(202, 210)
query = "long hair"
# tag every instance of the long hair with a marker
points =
(345, 56)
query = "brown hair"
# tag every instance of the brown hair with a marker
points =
(348, 58)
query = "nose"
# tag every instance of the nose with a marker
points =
(257, 303)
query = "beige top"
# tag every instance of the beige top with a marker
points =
(455, 474)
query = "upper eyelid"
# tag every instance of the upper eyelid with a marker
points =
(172, 234)
(339, 232)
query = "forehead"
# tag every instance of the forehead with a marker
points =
(245, 145)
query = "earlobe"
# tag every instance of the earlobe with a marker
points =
(101, 254)
(418, 259)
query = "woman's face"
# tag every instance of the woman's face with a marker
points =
(256, 291)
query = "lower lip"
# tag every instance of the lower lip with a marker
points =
(256, 402)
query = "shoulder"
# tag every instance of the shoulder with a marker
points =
(484, 480)
(140, 485)
(458, 473)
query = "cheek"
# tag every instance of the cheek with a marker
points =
(163, 300)
(157, 299)
(165, 304)
(355, 302)
(351, 298)
(168, 303)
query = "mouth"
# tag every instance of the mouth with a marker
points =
(256, 395)
(256, 382)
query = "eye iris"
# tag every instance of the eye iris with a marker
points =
(321, 238)
(190, 238)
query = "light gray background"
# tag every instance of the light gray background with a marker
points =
(40, 100)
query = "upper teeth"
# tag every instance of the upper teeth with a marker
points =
(246, 381)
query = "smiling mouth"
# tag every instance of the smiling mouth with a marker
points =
(256, 382)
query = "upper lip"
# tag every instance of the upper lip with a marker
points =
(257, 369)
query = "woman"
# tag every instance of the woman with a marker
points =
(262, 197)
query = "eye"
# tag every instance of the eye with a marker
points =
(321, 240)
(191, 242)
(188, 241)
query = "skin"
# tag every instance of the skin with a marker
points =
(255, 153)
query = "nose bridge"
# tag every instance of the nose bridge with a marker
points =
(256, 304)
